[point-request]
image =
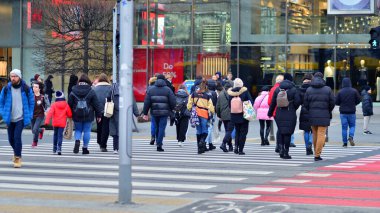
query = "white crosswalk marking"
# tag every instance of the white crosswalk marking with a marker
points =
(181, 175)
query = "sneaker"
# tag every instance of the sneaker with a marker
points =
(180, 144)
(34, 144)
(152, 140)
(160, 149)
(351, 140)
(41, 135)
(344, 145)
(115, 152)
(59, 153)
(103, 150)
(241, 153)
(317, 158)
(369, 132)
(292, 145)
(85, 151)
(17, 162)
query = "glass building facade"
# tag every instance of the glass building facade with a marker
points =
(253, 39)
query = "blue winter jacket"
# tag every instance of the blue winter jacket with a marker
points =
(6, 103)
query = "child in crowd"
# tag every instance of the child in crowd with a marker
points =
(59, 111)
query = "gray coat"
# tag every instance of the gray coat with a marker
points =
(114, 120)
(102, 91)
(223, 110)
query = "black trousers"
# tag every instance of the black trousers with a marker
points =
(241, 134)
(262, 128)
(228, 127)
(181, 127)
(103, 132)
(285, 141)
(115, 142)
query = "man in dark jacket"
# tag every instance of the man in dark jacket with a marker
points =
(223, 112)
(347, 99)
(319, 101)
(304, 123)
(160, 100)
(286, 117)
(367, 107)
(49, 88)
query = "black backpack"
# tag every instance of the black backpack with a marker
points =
(82, 110)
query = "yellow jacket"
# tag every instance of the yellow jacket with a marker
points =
(201, 100)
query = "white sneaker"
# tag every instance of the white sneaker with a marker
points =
(115, 152)
(180, 144)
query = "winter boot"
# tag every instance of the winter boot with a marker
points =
(17, 162)
(211, 146)
(236, 151)
(223, 147)
(203, 142)
(262, 142)
(200, 148)
(76, 146)
(281, 151)
(309, 150)
(152, 140)
(286, 154)
(277, 150)
(267, 142)
(230, 147)
(85, 151)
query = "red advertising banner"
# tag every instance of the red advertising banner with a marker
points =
(139, 74)
(164, 61)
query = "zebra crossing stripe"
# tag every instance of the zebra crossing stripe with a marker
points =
(88, 189)
(236, 196)
(102, 183)
(116, 174)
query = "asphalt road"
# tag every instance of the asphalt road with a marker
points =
(257, 182)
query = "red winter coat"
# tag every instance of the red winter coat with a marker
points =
(59, 111)
(271, 93)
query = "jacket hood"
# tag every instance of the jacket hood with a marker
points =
(160, 83)
(102, 84)
(346, 82)
(364, 93)
(318, 82)
(182, 93)
(236, 91)
(61, 104)
(264, 93)
(286, 84)
(304, 87)
(211, 84)
(81, 90)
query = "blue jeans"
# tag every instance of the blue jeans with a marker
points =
(308, 137)
(348, 121)
(36, 123)
(233, 133)
(209, 136)
(57, 139)
(85, 128)
(292, 139)
(14, 136)
(153, 131)
(202, 127)
(160, 123)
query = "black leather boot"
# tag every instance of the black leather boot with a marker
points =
(152, 140)
(266, 141)
(309, 150)
(277, 150)
(200, 148)
(230, 147)
(203, 142)
(85, 151)
(286, 154)
(211, 146)
(223, 147)
(262, 142)
(281, 151)
(76, 147)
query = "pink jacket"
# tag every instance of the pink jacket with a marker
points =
(261, 106)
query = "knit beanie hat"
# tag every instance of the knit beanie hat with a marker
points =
(288, 76)
(308, 76)
(318, 74)
(265, 88)
(59, 94)
(160, 76)
(16, 72)
(238, 83)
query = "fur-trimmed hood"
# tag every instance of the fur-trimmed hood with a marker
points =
(236, 91)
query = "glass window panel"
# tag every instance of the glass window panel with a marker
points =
(10, 23)
(355, 29)
(260, 18)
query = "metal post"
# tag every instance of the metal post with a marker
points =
(271, 135)
(125, 117)
(114, 60)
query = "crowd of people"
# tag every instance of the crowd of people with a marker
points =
(216, 101)
(208, 105)
(22, 105)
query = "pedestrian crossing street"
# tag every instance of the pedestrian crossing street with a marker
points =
(179, 171)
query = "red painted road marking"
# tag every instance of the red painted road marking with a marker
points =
(320, 192)
(319, 201)
(328, 182)
(344, 176)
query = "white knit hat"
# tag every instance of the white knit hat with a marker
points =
(238, 82)
(16, 72)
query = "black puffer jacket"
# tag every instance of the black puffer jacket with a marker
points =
(304, 123)
(286, 117)
(319, 101)
(244, 95)
(81, 91)
(347, 98)
(160, 99)
(367, 104)
(211, 84)
(181, 101)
